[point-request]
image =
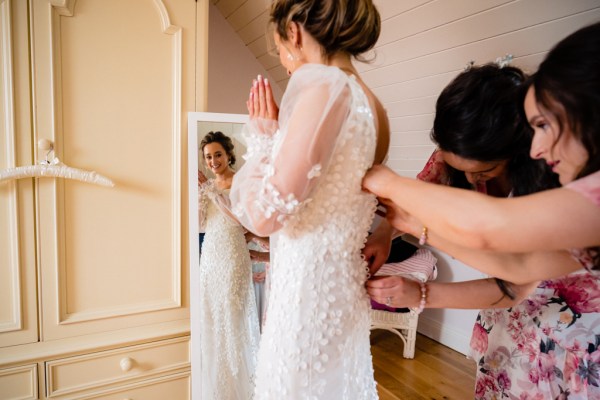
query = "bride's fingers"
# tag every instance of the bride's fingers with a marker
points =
(261, 97)
(272, 109)
(255, 99)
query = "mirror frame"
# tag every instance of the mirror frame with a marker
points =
(194, 119)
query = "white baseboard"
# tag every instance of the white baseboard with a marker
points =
(456, 339)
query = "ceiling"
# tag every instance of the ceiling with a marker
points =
(249, 19)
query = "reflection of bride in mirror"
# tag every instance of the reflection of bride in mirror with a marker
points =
(229, 332)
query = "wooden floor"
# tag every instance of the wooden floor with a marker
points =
(437, 372)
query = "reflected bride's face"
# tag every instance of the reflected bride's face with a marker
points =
(216, 158)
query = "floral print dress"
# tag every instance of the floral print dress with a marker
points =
(546, 347)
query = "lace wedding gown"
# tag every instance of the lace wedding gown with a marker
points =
(229, 321)
(301, 184)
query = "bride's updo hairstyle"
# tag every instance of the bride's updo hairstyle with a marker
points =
(350, 26)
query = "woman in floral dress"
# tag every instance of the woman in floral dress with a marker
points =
(547, 346)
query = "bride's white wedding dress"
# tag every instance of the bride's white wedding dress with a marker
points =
(301, 184)
(229, 332)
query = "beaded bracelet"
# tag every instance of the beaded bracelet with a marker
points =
(423, 238)
(423, 298)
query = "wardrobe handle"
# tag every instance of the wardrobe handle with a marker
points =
(126, 364)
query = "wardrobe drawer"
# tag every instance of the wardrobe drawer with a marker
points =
(172, 387)
(81, 373)
(19, 383)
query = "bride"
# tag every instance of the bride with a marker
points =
(301, 184)
(228, 314)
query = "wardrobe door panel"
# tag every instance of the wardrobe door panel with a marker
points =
(111, 81)
(18, 308)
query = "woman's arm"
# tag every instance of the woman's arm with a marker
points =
(518, 268)
(550, 220)
(476, 294)
(272, 185)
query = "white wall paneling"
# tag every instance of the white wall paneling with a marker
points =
(423, 45)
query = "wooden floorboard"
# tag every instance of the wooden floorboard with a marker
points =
(437, 372)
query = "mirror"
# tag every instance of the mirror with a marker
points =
(200, 123)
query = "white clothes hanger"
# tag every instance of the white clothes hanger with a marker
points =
(53, 168)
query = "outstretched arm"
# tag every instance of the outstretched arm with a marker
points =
(550, 220)
(518, 268)
(482, 293)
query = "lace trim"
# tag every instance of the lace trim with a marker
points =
(203, 192)
(269, 199)
(259, 135)
(208, 191)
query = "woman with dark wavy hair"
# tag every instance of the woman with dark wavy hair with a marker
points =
(482, 138)
(552, 235)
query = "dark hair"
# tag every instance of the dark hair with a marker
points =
(478, 117)
(567, 84)
(350, 26)
(223, 140)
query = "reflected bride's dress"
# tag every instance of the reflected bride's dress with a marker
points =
(229, 331)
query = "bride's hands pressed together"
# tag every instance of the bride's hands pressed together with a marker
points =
(260, 103)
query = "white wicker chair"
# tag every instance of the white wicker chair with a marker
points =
(421, 267)
(402, 324)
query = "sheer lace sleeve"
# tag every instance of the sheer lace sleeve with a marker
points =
(202, 205)
(281, 170)
(208, 191)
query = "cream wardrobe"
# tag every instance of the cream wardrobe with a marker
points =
(94, 298)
